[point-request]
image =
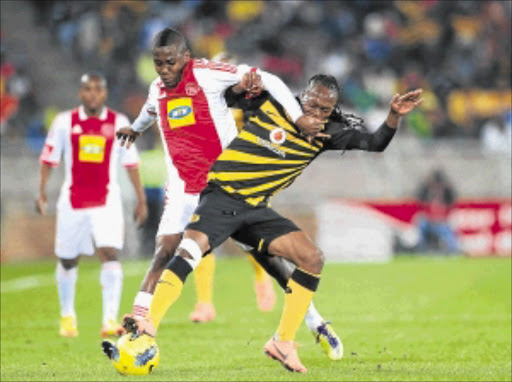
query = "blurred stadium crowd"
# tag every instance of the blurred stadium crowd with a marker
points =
(457, 51)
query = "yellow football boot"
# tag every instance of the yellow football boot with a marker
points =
(111, 328)
(68, 326)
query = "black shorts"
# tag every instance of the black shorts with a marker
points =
(220, 216)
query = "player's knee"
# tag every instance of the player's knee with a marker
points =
(108, 254)
(67, 264)
(190, 251)
(313, 260)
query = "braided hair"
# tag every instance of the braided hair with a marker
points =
(351, 121)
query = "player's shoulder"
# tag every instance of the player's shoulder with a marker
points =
(119, 116)
(155, 85)
(155, 88)
(117, 113)
(199, 64)
(157, 82)
(62, 119)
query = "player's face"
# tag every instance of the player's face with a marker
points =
(93, 95)
(318, 101)
(169, 63)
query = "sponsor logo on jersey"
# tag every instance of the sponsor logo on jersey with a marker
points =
(191, 89)
(180, 113)
(271, 147)
(76, 129)
(91, 148)
(278, 136)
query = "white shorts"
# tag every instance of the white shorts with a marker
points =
(178, 209)
(78, 230)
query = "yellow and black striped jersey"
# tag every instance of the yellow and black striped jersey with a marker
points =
(270, 152)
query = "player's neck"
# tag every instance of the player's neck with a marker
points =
(93, 112)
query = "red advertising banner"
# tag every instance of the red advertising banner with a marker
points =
(483, 226)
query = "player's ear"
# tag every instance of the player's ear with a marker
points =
(187, 55)
(302, 97)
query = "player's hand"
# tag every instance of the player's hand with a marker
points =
(141, 213)
(403, 104)
(310, 138)
(138, 326)
(127, 136)
(250, 83)
(42, 204)
(309, 125)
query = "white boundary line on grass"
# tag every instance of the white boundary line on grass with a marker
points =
(30, 282)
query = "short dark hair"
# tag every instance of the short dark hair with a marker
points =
(169, 36)
(93, 76)
(326, 80)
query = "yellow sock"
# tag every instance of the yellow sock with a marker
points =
(299, 292)
(259, 273)
(203, 277)
(167, 291)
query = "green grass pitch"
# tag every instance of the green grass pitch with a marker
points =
(414, 319)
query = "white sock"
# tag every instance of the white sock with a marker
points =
(313, 318)
(141, 304)
(111, 280)
(66, 282)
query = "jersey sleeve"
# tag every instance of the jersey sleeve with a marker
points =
(215, 76)
(346, 138)
(55, 140)
(240, 101)
(129, 157)
(221, 75)
(148, 113)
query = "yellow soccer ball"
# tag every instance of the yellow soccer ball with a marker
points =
(133, 354)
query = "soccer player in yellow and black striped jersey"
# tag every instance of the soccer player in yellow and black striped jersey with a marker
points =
(265, 158)
(204, 309)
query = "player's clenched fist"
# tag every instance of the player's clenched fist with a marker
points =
(127, 136)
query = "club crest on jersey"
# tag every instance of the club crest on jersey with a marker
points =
(278, 136)
(195, 218)
(191, 89)
(180, 113)
(76, 129)
(107, 129)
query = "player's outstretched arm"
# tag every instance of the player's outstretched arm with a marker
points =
(354, 139)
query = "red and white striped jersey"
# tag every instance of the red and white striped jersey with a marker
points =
(91, 154)
(194, 120)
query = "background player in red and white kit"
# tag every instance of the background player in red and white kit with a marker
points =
(187, 101)
(89, 210)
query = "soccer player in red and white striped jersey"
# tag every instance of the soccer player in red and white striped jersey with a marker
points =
(89, 210)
